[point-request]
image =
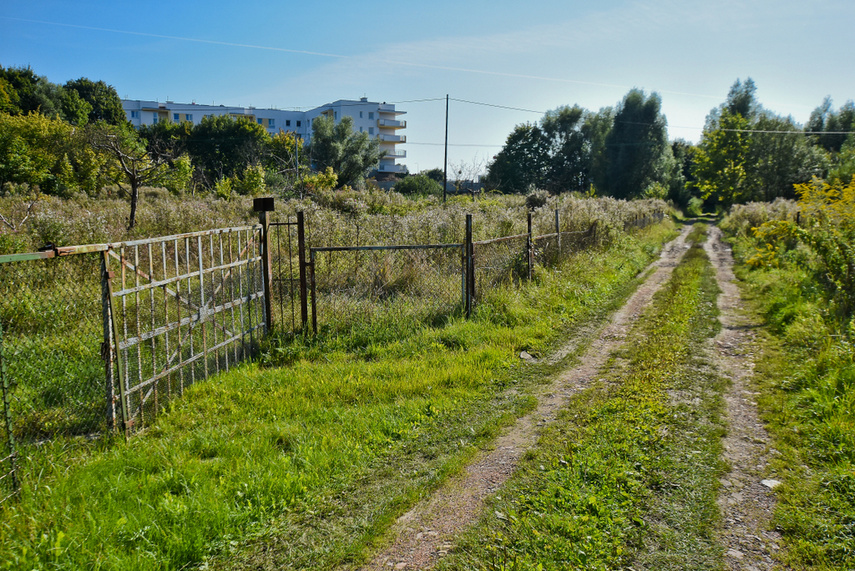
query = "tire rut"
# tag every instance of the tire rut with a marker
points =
(426, 533)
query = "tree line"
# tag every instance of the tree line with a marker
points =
(75, 138)
(746, 152)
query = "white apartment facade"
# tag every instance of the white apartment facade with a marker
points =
(380, 120)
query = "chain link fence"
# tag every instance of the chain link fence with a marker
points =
(53, 371)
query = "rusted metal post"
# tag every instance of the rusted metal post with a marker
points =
(123, 398)
(7, 417)
(301, 254)
(263, 206)
(107, 344)
(469, 290)
(529, 243)
(314, 292)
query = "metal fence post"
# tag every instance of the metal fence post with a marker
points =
(301, 256)
(469, 272)
(263, 206)
(314, 289)
(107, 343)
(123, 397)
(7, 419)
(528, 246)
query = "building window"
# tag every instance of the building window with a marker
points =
(287, 122)
(335, 115)
(370, 130)
(189, 117)
(175, 117)
(298, 123)
(371, 114)
(360, 129)
(271, 123)
(258, 121)
(135, 114)
(154, 119)
(360, 114)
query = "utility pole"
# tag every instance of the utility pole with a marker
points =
(445, 162)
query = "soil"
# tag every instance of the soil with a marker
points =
(745, 502)
(426, 533)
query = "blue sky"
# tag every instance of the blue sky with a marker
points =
(531, 55)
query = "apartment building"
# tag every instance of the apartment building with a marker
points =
(380, 120)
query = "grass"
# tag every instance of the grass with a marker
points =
(806, 377)
(627, 475)
(305, 465)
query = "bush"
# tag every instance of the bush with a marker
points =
(420, 185)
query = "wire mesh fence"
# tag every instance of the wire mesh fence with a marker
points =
(356, 286)
(53, 373)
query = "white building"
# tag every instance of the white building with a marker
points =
(379, 120)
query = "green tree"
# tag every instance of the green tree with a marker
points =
(223, 147)
(131, 163)
(419, 185)
(569, 150)
(286, 158)
(832, 127)
(102, 98)
(351, 155)
(720, 161)
(524, 161)
(637, 151)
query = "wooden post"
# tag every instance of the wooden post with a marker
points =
(558, 232)
(301, 254)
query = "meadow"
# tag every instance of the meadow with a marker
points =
(302, 458)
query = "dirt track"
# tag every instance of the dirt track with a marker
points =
(426, 532)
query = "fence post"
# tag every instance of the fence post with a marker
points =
(528, 246)
(107, 344)
(469, 271)
(123, 398)
(558, 232)
(263, 206)
(314, 292)
(301, 256)
(7, 418)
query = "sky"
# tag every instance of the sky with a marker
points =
(500, 63)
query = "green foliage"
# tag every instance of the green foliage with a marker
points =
(798, 278)
(223, 147)
(420, 185)
(102, 99)
(720, 162)
(351, 155)
(637, 152)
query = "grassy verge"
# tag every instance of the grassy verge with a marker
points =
(806, 377)
(627, 474)
(303, 466)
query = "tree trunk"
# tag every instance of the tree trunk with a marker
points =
(135, 192)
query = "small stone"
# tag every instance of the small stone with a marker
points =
(401, 565)
(524, 355)
(771, 484)
(735, 554)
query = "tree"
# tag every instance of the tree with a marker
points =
(223, 147)
(523, 162)
(131, 162)
(569, 164)
(637, 151)
(351, 155)
(286, 158)
(720, 161)
(103, 99)
(832, 127)
(419, 185)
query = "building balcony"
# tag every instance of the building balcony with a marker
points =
(394, 154)
(392, 123)
(389, 108)
(392, 138)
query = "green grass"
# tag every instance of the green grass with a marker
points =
(305, 465)
(806, 374)
(627, 475)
